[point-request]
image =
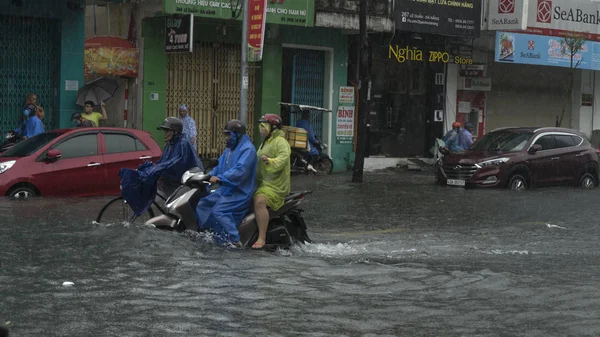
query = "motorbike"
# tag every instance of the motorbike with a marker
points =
(300, 161)
(318, 164)
(286, 226)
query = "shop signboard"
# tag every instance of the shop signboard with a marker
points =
(473, 70)
(555, 17)
(179, 33)
(442, 17)
(544, 50)
(345, 116)
(285, 12)
(256, 29)
(110, 56)
(475, 83)
(507, 14)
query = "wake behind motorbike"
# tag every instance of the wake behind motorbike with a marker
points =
(286, 226)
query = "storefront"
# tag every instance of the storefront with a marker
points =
(42, 45)
(300, 64)
(408, 96)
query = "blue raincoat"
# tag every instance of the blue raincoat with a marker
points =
(451, 139)
(225, 208)
(138, 188)
(33, 126)
(305, 124)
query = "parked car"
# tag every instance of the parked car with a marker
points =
(74, 162)
(519, 158)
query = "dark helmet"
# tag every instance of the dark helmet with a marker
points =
(172, 123)
(469, 126)
(272, 119)
(75, 116)
(236, 127)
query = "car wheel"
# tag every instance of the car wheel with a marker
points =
(517, 183)
(587, 181)
(22, 193)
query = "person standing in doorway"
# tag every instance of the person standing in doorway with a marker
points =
(94, 117)
(189, 124)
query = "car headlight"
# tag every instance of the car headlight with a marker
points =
(492, 162)
(6, 165)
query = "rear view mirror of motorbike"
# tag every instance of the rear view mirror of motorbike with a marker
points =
(197, 179)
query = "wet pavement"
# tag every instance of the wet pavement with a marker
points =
(395, 256)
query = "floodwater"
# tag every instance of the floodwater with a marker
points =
(395, 256)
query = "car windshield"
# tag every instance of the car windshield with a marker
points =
(504, 141)
(31, 145)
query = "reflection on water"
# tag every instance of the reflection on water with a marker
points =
(392, 257)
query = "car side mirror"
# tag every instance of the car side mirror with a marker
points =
(535, 148)
(53, 155)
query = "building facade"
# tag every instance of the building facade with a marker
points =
(42, 43)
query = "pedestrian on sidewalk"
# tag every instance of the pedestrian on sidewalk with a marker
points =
(189, 124)
(451, 139)
(94, 117)
(465, 139)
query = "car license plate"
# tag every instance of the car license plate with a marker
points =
(454, 182)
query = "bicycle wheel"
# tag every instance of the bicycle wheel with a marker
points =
(117, 212)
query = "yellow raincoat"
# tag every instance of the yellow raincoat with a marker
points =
(273, 178)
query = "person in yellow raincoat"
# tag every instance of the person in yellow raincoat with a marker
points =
(273, 174)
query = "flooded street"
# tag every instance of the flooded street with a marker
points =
(396, 256)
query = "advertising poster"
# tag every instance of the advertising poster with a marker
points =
(344, 132)
(544, 50)
(110, 56)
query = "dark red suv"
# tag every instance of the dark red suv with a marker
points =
(518, 158)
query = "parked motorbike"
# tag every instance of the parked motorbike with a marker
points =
(300, 161)
(286, 226)
(318, 164)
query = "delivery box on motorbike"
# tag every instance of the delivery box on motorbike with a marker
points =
(296, 137)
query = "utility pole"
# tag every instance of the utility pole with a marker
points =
(244, 66)
(363, 92)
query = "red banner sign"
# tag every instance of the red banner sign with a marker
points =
(256, 29)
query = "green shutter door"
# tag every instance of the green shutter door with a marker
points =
(28, 64)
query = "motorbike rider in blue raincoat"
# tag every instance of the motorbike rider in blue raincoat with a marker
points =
(226, 207)
(305, 124)
(138, 188)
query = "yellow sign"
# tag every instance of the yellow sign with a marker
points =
(414, 54)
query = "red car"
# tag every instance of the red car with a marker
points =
(74, 162)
